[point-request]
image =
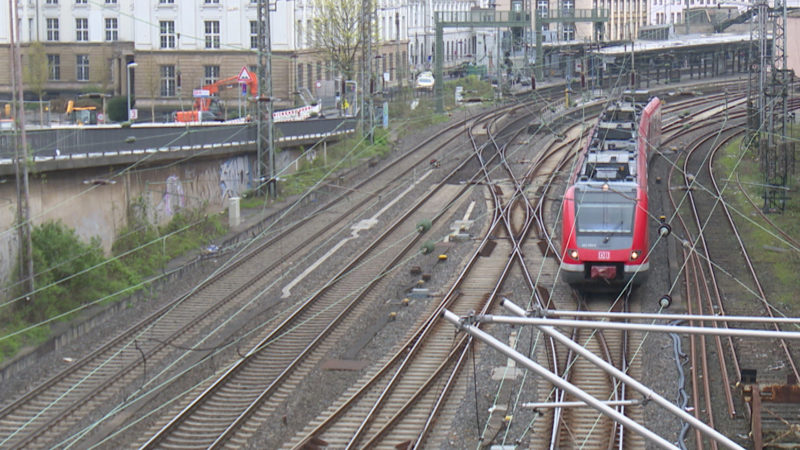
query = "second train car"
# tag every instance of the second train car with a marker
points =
(604, 228)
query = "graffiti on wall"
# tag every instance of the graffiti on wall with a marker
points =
(173, 198)
(234, 177)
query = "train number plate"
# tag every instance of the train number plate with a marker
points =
(604, 272)
(603, 256)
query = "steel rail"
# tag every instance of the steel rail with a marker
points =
(517, 253)
(356, 438)
(691, 270)
(762, 296)
(794, 242)
(256, 402)
(284, 326)
(171, 305)
(502, 215)
(717, 295)
(635, 384)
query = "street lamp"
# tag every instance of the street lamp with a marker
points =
(130, 66)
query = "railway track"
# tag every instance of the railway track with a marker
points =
(721, 282)
(397, 405)
(191, 426)
(46, 413)
(402, 393)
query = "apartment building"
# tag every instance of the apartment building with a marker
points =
(460, 44)
(181, 45)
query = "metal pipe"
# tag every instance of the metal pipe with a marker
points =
(129, 66)
(667, 317)
(534, 405)
(641, 388)
(558, 381)
(737, 332)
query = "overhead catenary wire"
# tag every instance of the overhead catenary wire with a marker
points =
(656, 242)
(102, 299)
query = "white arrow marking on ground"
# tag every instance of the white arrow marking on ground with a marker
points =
(365, 224)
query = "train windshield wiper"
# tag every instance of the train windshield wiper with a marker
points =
(613, 232)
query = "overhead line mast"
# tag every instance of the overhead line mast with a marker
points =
(264, 106)
(767, 102)
(24, 228)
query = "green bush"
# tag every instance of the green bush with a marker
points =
(71, 272)
(117, 109)
(59, 254)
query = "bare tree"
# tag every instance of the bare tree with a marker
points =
(336, 31)
(36, 73)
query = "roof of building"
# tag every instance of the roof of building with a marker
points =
(689, 40)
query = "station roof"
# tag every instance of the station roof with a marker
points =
(685, 41)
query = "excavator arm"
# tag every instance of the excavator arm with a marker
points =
(204, 103)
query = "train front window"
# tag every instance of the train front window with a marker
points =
(605, 213)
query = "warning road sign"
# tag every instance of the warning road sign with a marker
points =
(244, 74)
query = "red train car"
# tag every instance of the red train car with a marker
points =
(604, 225)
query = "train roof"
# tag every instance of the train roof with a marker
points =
(611, 155)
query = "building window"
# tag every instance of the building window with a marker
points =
(166, 2)
(309, 76)
(82, 67)
(253, 34)
(212, 33)
(209, 2)
(542, 6)
(569, 32)
(111, 2)
(52, 29)
(299, 76)
(53, 67)
(52, 2)
(112, 30)
(80, 2)
(168, 81)
(167, 33)
(211, 74)
(299, 30)
(82, 29)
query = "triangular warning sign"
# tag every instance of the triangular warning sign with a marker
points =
(244, 75)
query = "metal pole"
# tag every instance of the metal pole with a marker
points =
(364, 77)
(21, 156)
(128, 94)
(264, 100)
(704, 331)
(616, 316)
(548, 405)
(371, 86)
(558, 381)
(438, 60)
(622, 376)
(129, 66)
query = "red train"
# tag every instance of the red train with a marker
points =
(604, 225)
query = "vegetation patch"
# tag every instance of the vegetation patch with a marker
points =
(71, 273)
(778, 262)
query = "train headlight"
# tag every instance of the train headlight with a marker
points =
(635, 255)
(573, 254)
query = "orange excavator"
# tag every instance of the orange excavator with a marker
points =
(207, 105)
